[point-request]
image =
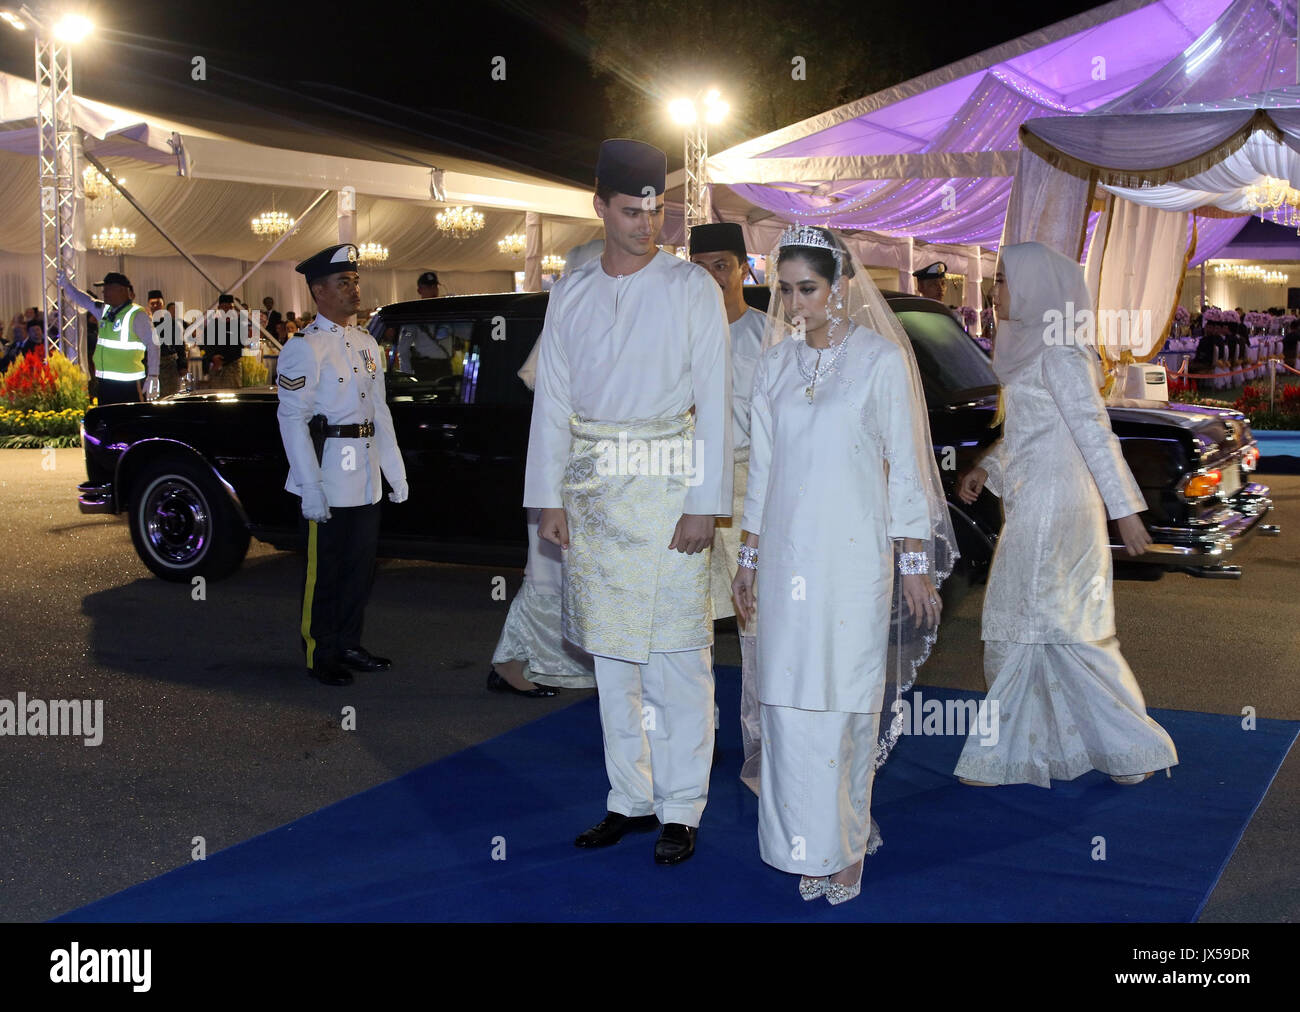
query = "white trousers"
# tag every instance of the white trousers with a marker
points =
(657, 721)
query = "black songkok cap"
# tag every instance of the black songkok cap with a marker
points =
(726, 235)
(155, 293)
(114, 278)
(630, 167)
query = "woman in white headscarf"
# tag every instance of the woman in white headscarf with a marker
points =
(1066, 700)
(846, 508)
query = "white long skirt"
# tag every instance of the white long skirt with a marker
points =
(532, 632)
(814, 812)
(1063, 709)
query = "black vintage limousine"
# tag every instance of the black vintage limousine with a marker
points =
(198, 474)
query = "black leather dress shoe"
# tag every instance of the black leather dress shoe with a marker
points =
(675, 844)
(496, 683)
(331, 673)
(361, 659)
(612, 828)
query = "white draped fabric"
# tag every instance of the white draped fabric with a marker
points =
(1046, 205)
(1141, 265)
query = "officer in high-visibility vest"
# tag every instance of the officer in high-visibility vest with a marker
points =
(126, 352)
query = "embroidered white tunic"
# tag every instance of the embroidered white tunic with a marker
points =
(826, 507)
(638, 347)
(1056, 464)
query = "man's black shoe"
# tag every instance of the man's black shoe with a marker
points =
(675, 844)
(612, 828)
(331, 673)
(361, 659)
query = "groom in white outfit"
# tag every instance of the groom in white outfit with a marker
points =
(630, 461)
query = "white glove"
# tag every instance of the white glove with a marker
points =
(151, 388)
(399, 493)
(314, 506)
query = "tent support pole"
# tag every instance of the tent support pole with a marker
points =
(108, 174)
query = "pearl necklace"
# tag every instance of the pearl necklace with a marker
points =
(817, 372)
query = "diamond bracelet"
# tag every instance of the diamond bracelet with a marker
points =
(913, 563)
(747, 557)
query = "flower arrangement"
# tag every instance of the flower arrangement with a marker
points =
(968, 316)
(42, 402)
(1285, 413)
(987, 322)
(253, 373)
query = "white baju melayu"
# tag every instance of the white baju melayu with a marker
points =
(1067, 700)
(746, 345)
(826, 505)
(622, 362)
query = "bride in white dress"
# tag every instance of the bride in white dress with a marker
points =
(843, 494)
(1067, 700)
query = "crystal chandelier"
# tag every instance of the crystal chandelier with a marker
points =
(113, 241)
(272, 224)
(95, 185)
(1251, 274)
(461, 222)
(551, 264)
(1269, 195)
(371, 253)
(512, 245)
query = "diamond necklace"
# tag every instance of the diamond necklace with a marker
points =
(817, 372)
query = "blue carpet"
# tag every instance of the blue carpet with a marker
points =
(420, 848)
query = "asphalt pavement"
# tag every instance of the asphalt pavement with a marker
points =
(213, 730)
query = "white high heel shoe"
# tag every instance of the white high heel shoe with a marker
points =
(837, 893)
(811, 888)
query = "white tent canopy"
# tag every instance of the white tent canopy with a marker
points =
(1153, 171)
(203, 184)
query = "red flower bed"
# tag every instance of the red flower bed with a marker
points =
(30, 384)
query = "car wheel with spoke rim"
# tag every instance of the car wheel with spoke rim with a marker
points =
(183, 523)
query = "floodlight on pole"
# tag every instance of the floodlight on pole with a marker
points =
(695, 115)
(72, 28)
(56, 167)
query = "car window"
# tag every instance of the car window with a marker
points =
(499, 348)
(947, 357)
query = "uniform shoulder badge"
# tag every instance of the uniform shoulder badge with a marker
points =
(292, 382)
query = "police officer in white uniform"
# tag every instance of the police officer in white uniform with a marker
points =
(331, 383)
(932, 280)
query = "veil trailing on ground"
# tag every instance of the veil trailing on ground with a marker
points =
(856, 299)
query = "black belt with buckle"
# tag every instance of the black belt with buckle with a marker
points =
(363, 430)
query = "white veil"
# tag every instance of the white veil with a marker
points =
(864, 306)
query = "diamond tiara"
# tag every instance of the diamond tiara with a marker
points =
(806, 235)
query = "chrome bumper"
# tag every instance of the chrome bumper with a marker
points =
(1203, 549)
(95, 498)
